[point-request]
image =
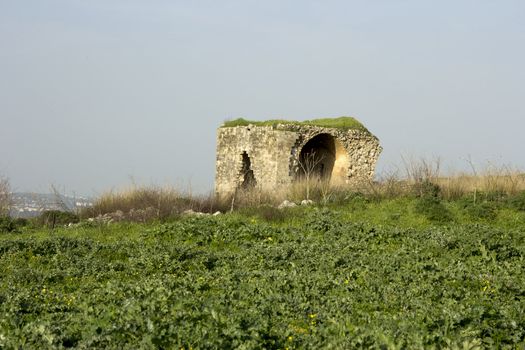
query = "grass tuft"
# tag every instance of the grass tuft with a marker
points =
(345, 123)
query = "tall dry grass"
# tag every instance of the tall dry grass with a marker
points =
(491, 179)
(315, 189)
(5, 197)
(417, 177)
(502, 180)
(158, 202)
(253, 197)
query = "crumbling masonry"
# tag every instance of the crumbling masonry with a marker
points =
(271, 156)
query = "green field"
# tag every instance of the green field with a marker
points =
(390, 274)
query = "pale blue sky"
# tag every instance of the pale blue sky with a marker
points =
(93, 93)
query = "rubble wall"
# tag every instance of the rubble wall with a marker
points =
(274, 155)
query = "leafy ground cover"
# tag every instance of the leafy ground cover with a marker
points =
(363, 274)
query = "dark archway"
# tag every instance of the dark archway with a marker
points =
(317, 158)
(324, 158)
(247, 176)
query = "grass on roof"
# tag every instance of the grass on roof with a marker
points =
(345, 123)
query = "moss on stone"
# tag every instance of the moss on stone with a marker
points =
(345, 123)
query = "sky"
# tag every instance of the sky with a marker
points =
(97, 95)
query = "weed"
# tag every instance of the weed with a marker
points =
(426, 188)
(323, 220)
(517, 201)
(54, 218)
(12, 225)
(433, 209)
(486, 210)
(7, 225)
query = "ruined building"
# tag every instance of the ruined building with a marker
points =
(275, 153)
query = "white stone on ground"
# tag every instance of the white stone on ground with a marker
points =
(286, 204)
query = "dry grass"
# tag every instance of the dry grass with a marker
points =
(156, 201)
(491, 179)
(499, 182)
(5, 196)
(317, 190)
(163, 202)
(254, 197)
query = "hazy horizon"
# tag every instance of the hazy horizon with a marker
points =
(98, 94)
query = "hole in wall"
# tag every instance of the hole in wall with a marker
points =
(246, 174)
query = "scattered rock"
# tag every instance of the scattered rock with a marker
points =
(217, 213)
(286, 204)
(307, 202)
(105, 219)
(192, 212)
(118, 215)
(139, 215)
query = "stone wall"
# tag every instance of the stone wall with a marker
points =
(274, 153)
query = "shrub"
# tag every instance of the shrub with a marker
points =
(426, 188)
(10, 225)
(433, 209)
(483, 210)
(323, 220)
(7, 225)
(53, 218)
(517, 201)
(21, 222)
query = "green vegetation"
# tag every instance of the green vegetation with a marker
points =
(345, 123)
(518, 201)
(53, 218)
(7, 224)
(360, 273)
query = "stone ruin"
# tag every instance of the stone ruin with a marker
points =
(274, 154)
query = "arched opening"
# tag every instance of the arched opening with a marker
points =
(323, 158)
(246, 174)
